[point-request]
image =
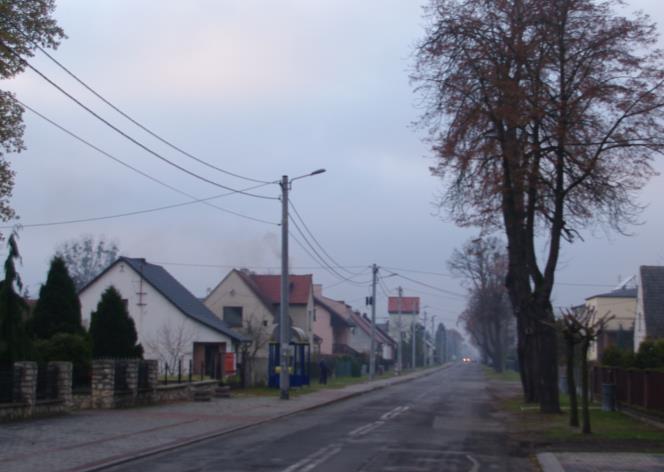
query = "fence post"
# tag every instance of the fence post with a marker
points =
(191, 367)
(25, 381)
(131, 376)
(64, 382)
(103, 383)
(165, 373)
(646, 387)
(629, 386)
(179, 370)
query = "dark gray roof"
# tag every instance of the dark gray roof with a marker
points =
(179, 296)
(652, 285)
(618, 293)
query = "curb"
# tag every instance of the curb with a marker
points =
(111, 462)
(549, 463)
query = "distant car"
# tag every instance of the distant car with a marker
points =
(466, 360)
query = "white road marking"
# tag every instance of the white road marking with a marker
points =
(476, 465)
(325, 453)
(365, 429)
(321, 455)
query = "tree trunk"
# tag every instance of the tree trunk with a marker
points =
(584, 387)
(547, 350)
(571, 383)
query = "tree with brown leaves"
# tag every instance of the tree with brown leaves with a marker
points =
(544, 117)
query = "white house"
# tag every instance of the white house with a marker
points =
(171, 322)
(649, 305)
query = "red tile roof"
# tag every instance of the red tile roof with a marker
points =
(408, 305)
(270, 287)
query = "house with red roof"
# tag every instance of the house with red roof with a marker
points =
(332, 326)
(403, 312)
(250, 303)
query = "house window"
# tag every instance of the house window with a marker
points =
(233, 316)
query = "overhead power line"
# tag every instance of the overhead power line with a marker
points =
(110, 217)
(148, 176)
(313, 254)
(418, 282)
(320, 246)
(127, 136)
(143, 127)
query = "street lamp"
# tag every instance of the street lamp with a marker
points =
(284, 325)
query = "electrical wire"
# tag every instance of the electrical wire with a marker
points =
(319, 258)
(130, 138)
(146, 175)
(448, 292)
(320, 246)
(109, 217)
(143, 127)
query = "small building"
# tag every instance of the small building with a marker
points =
(621, 304)
(649, 305)
(250, 303)
(332, 327)
(171, 323)
(403, 313)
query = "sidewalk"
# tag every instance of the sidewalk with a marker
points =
(604, 461)
(91, 439)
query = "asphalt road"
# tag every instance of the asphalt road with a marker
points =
(441, 422)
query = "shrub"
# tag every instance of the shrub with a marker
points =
(58, 309)
(74, 348)
(112, 330)
(650, 355)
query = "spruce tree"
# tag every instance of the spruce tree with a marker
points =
(58, 309)
(112, 330)
(14, 341)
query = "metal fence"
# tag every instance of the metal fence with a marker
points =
(640, 388)
(182, 372)
(143, 380)
(47, 382)
(121, 376)
(81, 379)
(6, 383)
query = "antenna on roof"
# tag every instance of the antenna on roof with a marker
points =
(629, 282)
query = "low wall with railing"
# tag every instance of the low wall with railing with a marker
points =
(28, 389)
(636, 388)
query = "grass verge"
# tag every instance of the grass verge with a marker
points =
(610, 430)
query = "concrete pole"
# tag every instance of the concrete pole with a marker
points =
(372, 353)
(433, 339)
(400, 347)
(413, 340)
(284, 332)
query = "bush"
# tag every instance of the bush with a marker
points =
(613, 356)
(74, 348)
(112, 330)
(650, 355)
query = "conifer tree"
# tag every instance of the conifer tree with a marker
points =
(58, 309)
(14, 340)
(112, 330)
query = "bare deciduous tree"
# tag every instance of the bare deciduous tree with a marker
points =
(86, 257)
(582, 326)
(171, 343)
(488, 317)
(544, 118)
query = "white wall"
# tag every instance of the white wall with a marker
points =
(640, 323)
(152, 312)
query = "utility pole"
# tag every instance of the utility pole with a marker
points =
(284, 331)
(372, 353)
(433, 339)
(284, 320)
(400, 346)
(413, 338)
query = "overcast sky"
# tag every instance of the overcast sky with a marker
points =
(263, 89)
